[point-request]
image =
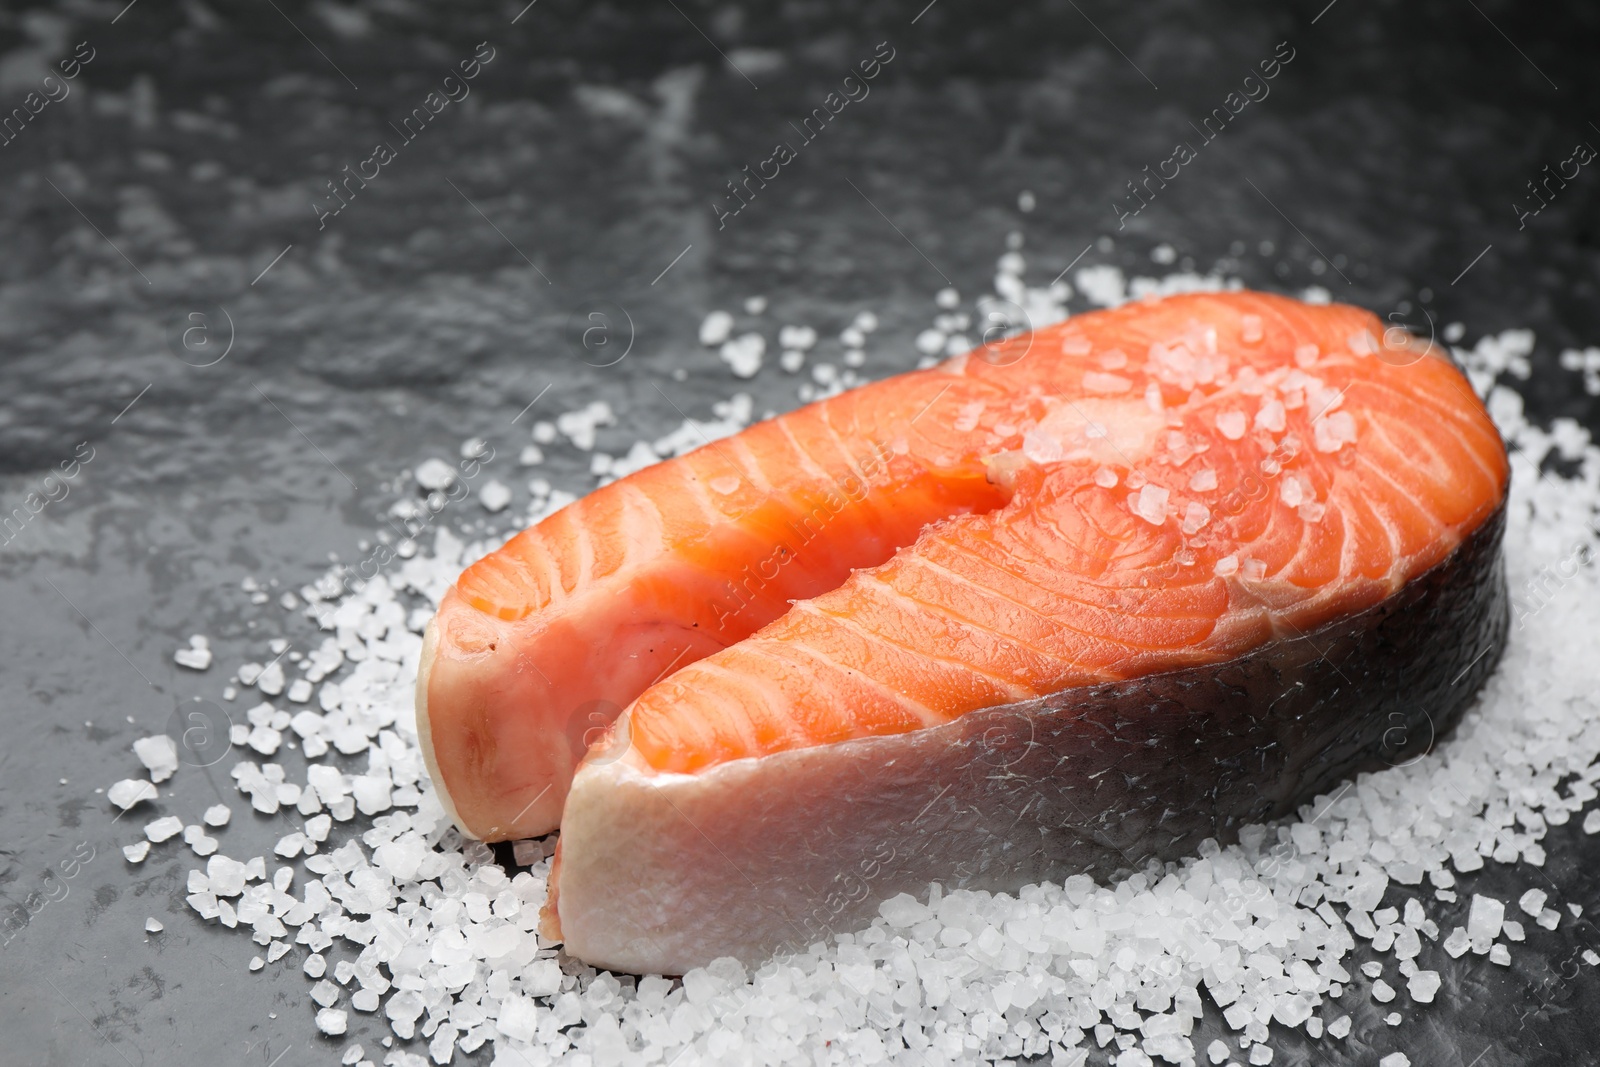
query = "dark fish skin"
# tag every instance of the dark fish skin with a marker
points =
(1090, 780)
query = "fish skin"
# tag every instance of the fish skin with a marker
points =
(660, 872)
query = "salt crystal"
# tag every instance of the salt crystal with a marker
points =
(743, 354)
(161, 829)
(1340, 1027)
(1484, 918)
(372, 794)
(1423, 985)
(271, 679)
(1232, 424)
(1105, 478)
(435, 475)
(1270, 417)
(1549, 918)
(226, 876)
(130, 791)
(715, 328)
(1226, 567)
(1395, 1059)
(299, 691)
(194, 658)
(518, 1017)
(1203, 481)
(1591, 821)
(136, 852)
(494, 496)
(153, 926)
(1382, 991)
(256, 963)
(332, 1021)
(1457, 943)
(1513, 930)
(1150, 504)
(1217, 1051)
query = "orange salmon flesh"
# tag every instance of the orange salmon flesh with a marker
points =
(1167, 484)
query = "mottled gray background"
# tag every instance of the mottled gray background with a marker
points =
(1384, 164)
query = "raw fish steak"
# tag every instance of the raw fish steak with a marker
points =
(1062, 605)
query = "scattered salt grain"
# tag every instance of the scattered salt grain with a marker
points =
(1150, 504)
(332, 1021)
(715, 328)
(136, 852)
(1232, 424)
(1484, 918)
(153, 926)
(435, 475)
(217, 815)
(1395, 1059)
(130, 791)
(743, 354)
(494, 496)
(197, 657)
(159, 754)
(163, 828)
(1500, 954)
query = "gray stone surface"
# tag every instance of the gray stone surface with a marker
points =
(453, 289)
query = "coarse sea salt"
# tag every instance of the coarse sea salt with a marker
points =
(424, 930)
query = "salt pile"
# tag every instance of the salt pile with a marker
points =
(388, 911)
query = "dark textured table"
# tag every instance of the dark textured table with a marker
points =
(160, 210)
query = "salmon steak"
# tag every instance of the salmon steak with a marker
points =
(1064, 604)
